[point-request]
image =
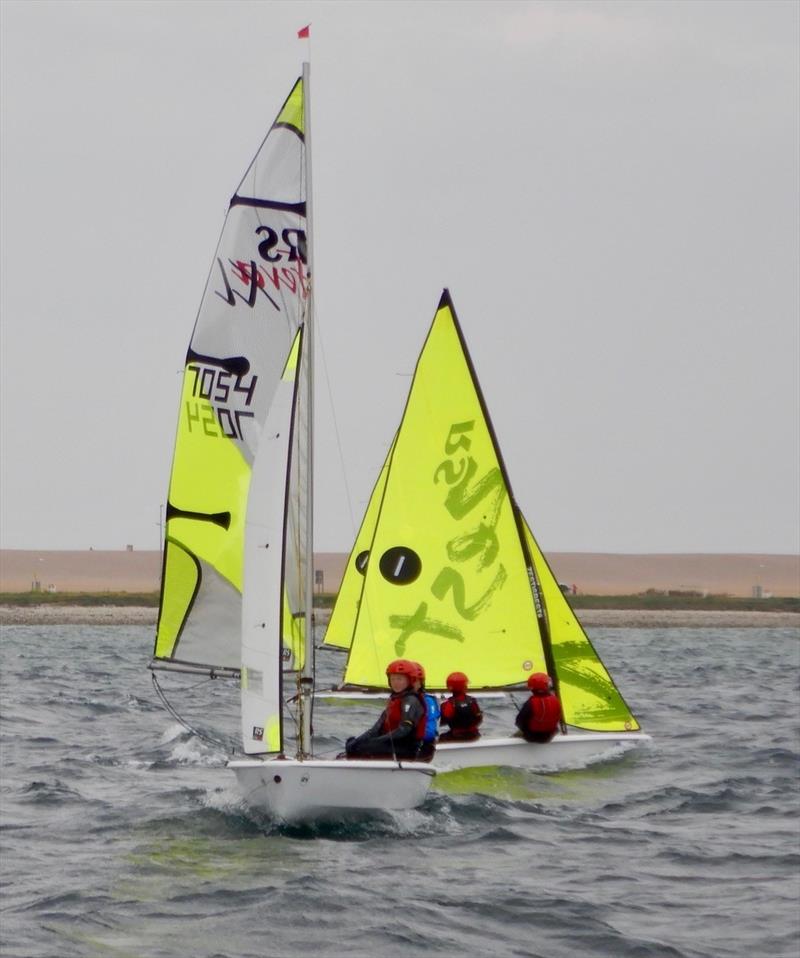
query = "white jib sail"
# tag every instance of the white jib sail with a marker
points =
(263, 592)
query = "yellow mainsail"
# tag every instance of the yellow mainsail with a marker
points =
(445, 581)
(446, 571)
(205, 536)
(252, 308)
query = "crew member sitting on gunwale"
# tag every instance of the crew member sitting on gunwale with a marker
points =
(540, 715)
(460, 713)
(400, 730)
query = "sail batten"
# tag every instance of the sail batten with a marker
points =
(255, 203)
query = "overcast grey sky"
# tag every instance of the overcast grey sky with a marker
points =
(610, 191)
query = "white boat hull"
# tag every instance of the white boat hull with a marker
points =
(573, 750)
(314, 790)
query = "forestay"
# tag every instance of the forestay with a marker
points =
(252, 308)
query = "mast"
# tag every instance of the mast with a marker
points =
(307, 676)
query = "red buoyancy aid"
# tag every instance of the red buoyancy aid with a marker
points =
(545, 713)
(462, 713)
(393, 718)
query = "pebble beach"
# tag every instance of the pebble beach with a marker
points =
(611, 618)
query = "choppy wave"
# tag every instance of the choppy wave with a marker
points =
(123, 833)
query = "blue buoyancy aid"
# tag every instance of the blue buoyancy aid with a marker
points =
(431, 717)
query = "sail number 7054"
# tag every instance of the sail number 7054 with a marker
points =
(217, 398)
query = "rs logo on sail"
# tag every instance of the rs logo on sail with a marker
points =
(270, 274)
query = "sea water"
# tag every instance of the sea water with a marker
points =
(124, 835)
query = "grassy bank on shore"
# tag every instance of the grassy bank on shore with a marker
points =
(653, 601)
(686, 603)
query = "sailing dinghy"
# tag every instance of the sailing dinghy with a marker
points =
(445, 571)
(236, 590)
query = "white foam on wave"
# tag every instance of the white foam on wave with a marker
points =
(172, 731)
(614, 752)
(226, 797)
(194, 751)
(420, 822)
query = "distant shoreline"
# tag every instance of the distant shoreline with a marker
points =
(650, 601)
(612, 618)
(742, 575)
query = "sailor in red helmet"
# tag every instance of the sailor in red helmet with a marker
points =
(400, 730)
(539, 717)
(460, 713)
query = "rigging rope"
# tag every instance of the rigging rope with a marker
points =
(181, 721)
(227, 746)
(318, 328)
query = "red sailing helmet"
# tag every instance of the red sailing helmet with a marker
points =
(457, 682)
(539, 682)
(403, 667)
(420, 671)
